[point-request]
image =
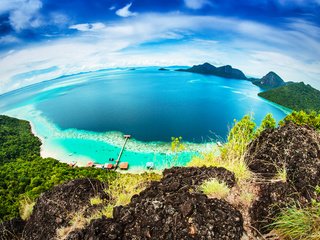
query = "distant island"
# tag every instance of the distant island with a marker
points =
(296, 96)
(271, 80)
(163, 69)
(224, 71)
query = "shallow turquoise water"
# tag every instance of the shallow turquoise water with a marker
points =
(80, 117)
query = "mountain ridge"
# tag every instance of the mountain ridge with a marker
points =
(226, 71)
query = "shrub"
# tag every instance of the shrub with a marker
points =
(214, 188)
(299, 223)
(311, 119)
(267, 123)
(124, 187)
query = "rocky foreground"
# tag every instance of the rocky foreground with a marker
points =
(173, 208)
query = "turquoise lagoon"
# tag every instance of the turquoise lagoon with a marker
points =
(82, 117)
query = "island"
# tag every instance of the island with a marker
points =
(271, 80)
(224, 71)
(163, 69)
(296, 96)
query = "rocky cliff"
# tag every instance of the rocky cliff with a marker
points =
(174, 208)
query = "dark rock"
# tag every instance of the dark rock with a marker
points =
(12, 230)
(297, 148)
(54, 208)
(169, 210)
(272, 198)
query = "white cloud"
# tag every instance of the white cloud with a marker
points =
(125, 11)
(85, 27)
(22, 13)
(9, 39)
(297, 2)
(59, 19)
(196, 4)
(256, 48)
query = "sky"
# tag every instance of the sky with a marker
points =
(45, 39)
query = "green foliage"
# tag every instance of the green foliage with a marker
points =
(267, 123)
(238, 167)
(124, 187)
(95, 201)
(295, 222)
(176, 144)
(26, 207)
(24, 174)
(232, 152)
(311, 119)
(214, 188)
(243, 129)
(16, 140)
(299, 223)
(296, 96)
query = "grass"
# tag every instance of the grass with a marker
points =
(26, 208)
(239, 168)
(214, 188)
(281, 174)
(78, 221)
(299, 223)
(120, 190)
(232, 153)
(124, 187)
(95, 201)
(246, 197)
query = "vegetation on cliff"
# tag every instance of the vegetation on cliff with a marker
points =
(302, 118)
(24, 174)
(296, 96)
(244, 178)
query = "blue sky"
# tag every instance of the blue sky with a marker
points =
(43, 39)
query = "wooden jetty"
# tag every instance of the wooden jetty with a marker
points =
(120, 154)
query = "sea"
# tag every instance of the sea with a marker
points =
(83, 117)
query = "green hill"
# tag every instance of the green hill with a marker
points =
(296, 96)
(271, 80)
(224, 71)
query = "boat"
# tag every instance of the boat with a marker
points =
(150, 165)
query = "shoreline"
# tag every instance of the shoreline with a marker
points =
(280, 107)
(102, 145)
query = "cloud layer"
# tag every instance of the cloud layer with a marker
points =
(82, 35)
(153, 39)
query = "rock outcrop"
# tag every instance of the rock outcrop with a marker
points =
(171, 209)
(295, 149)
(12, 230)
(54, 208)
(174, 208)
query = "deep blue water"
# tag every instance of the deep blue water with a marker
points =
(151, 105)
